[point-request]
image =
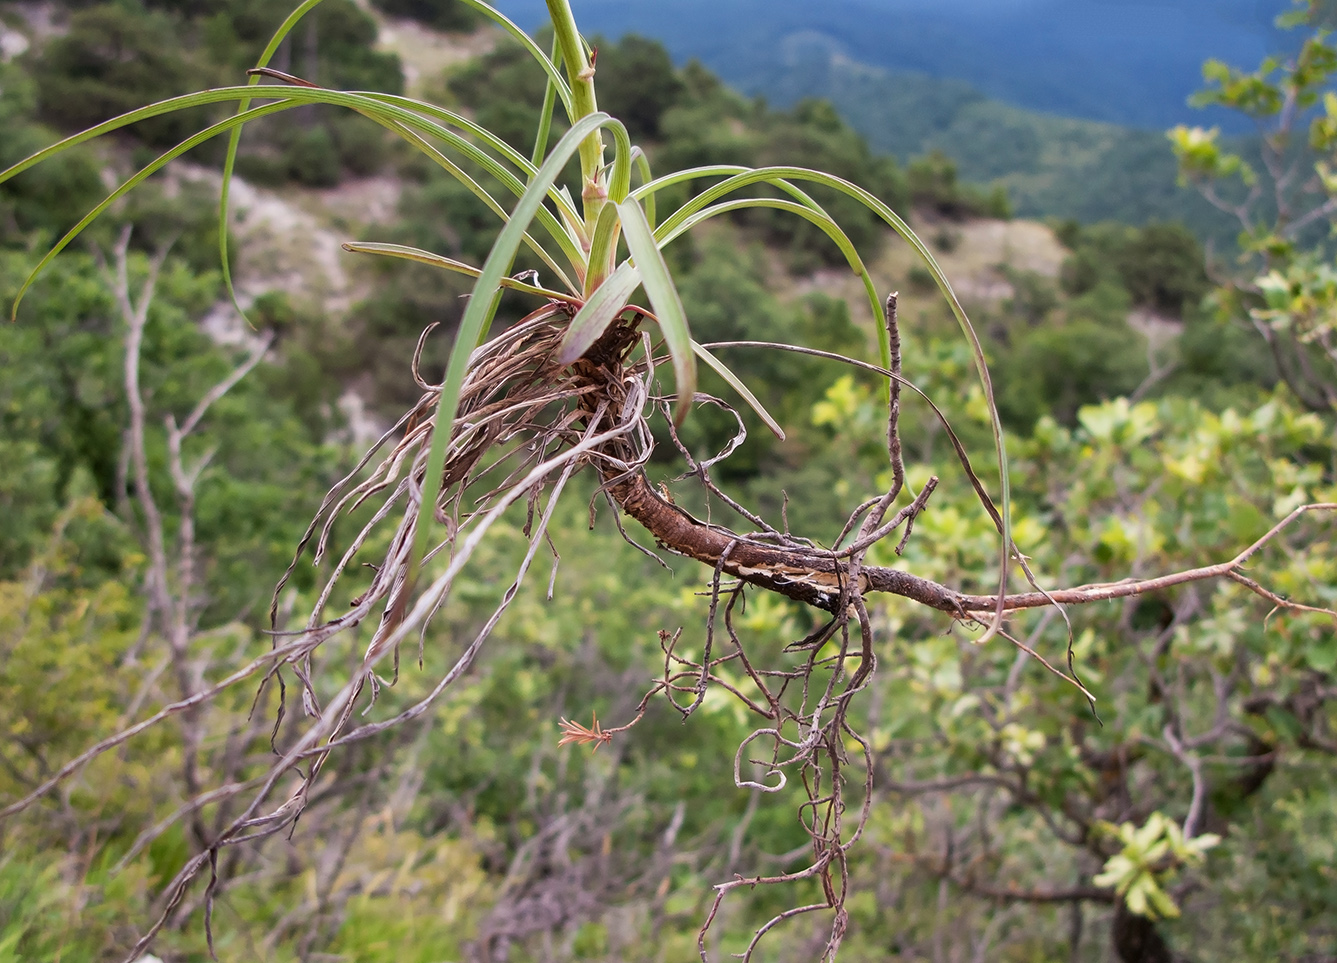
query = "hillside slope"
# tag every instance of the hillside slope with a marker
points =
(1052, 166)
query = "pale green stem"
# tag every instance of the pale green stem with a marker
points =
(594, 190)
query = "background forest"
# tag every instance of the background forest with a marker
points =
(160, 461)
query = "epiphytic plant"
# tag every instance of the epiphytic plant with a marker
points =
(575, 385)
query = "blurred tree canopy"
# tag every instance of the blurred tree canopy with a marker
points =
(120, 55)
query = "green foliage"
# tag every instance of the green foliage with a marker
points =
(309, 158)
(1164, 485)
(63, 390)
(504, 89)
(723, 289)
(1287, 296)
(1055, 370)
(337, 49)
(1057, 349)
(1034, 297)
(1055, 353)
(933, 184)
(472, 811)
(52, 196)
(1159, 265)
(1049, 165)
(1300, 301)
(116, 57)
(69, 631)
(62, 402)
(638, 84)
(44, 916)
(813, 135)
(1138, 872)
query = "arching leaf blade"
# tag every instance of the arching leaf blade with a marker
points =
(606, 303)
(234, 143)
(734, 382)
(814, 214)
(642, 165)
(603, 248)
(407, 253)
(545, 113)
(559, 195)
(663, 295)
(450, 167)
(134, 181)
(183, 102)
(380, 108)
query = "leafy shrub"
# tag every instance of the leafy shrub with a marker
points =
(310, 158)
(932, 182)
(1056, 370)
(116, 57)
(1160, 265)
(49, 197)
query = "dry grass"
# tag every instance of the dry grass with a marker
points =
(970, 254)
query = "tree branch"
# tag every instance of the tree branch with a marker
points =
(815, 579)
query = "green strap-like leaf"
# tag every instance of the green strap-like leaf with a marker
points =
(642, 164)
(200, 98)
(685, 218)
(559, 195)
(450, 167)
(234, 143)
(131, 183)
(734, 382)
(407, 253)
(408, 116)
(619, 175)
(603, 248)
(606, 303)
(376, 107)
(545, 114)
(663, 295)
(814, 214)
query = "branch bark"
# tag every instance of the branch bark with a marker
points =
(818, 579)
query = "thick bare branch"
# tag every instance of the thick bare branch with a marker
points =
(801, 575)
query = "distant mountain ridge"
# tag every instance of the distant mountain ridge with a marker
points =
(1052, 166)
(1063, 142)
(1131, 63)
